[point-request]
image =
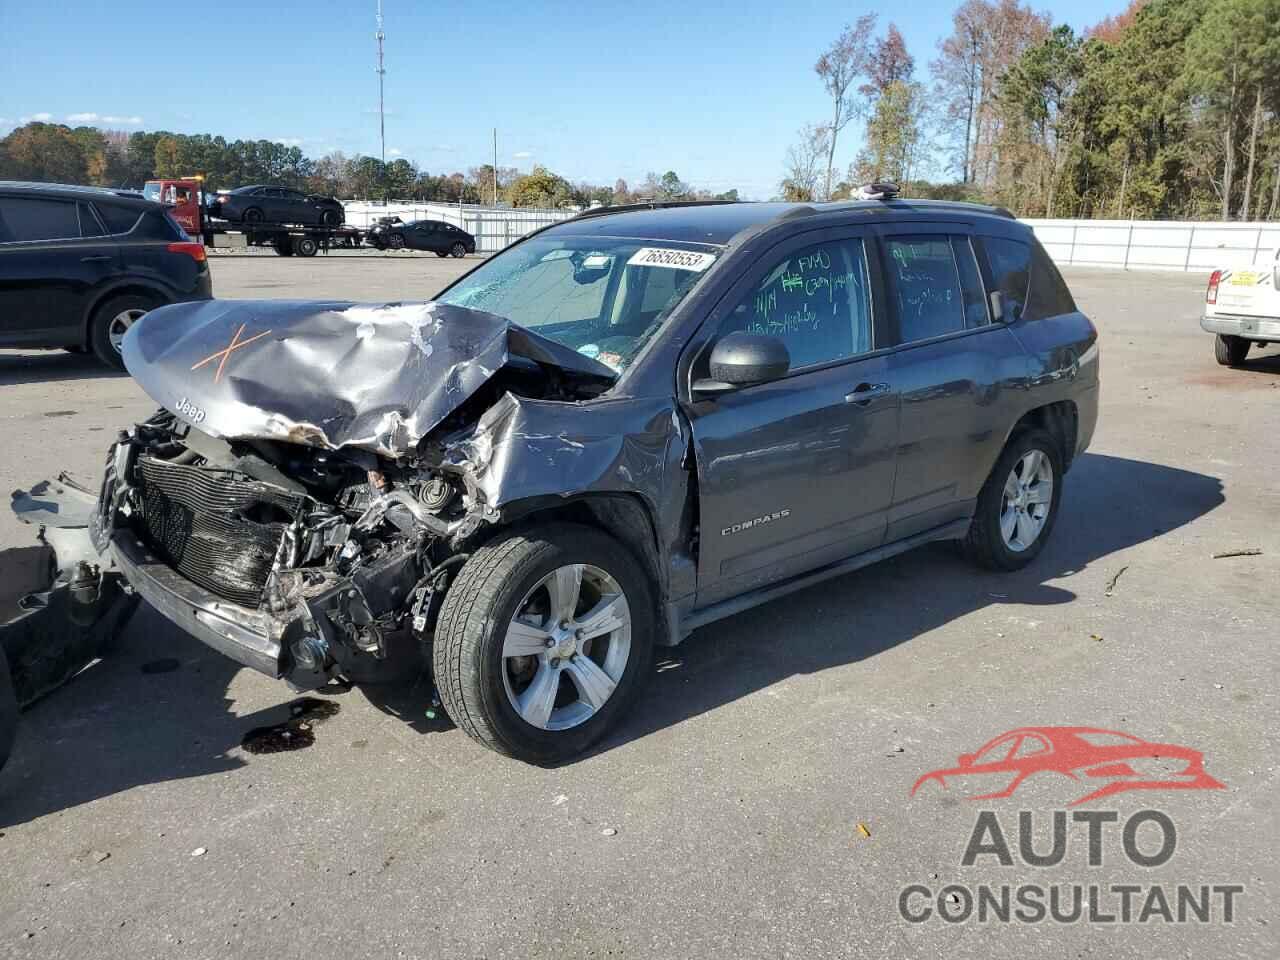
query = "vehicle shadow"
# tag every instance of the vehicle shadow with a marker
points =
(857, 616)
(123, 723)
(154, 708)
(51, 366)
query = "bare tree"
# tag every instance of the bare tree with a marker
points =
(804, 163)
(844, 61)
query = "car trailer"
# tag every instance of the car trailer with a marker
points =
(286, 239)
(185, 198)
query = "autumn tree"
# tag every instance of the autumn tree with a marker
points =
(848, 58)
(805, 159)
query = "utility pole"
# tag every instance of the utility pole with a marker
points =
(495, 166)
(382, 120)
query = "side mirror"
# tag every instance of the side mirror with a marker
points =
(966, 759)
(744, 359)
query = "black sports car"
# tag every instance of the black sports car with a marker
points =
(442, 239)
(263, 204)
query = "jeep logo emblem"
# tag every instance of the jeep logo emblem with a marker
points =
(189, 410)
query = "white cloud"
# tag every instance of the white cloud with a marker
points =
(522, 154)
(395, 152)
(123, 121)
(289, 141)
(82, 117)
(36, 117)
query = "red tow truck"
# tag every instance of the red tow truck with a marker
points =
(188, 205)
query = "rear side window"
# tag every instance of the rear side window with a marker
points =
(118, 217)
(157, 225)
(925, 278)
(36, 218)
(1049, 296)
(1011, 270)
(817, 301)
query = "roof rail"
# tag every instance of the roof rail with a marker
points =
(647, 205)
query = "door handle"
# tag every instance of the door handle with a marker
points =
(864, 393)
(101, 258)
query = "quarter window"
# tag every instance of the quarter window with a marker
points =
(1011, 269)
(1048, 295)
(816, 300)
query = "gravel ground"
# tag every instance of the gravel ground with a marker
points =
(757, 801)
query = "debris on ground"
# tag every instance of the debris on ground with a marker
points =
(199, 852)
(609, 832)
(1111, 584)
(1246, 552)
(864, 830)
(1095, 637)
(99, 856)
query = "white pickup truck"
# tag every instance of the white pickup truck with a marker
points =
(1242, 306)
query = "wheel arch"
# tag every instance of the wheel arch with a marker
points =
(122, 288)
(1060, 419)
(626, 517)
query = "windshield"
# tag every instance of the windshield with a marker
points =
(604, 297)
(151, 191)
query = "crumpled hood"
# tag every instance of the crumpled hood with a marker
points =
(376, 377)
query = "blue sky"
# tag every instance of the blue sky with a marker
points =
(593, 90)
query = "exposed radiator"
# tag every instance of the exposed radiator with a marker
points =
(218, 529)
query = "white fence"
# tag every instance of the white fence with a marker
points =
(1157, 245)
(1124, 244)
(493, 227)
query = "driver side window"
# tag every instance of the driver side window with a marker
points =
(816, 300)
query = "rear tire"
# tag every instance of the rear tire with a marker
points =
(252, 215)
(442, 254)
(111, 321)
(1230, 351)
(481, 680)
(305, 246)
(330, 218)
(395, 241)
(999, 546)
(282, 247)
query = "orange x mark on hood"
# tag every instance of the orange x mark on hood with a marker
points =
(222, 355)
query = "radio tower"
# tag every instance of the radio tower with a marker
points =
(382, 120)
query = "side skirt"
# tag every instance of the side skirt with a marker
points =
(684, 625)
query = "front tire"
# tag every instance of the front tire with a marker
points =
(458, 250)
(1230, 351)
(395, 241)
(330, 218)
(252, 215)
(1018, 505)
(544, 641)
(111, 321)
(305, 246)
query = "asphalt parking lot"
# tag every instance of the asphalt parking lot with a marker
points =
(756, 803)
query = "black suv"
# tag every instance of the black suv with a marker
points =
(78, 266)
(620, 428)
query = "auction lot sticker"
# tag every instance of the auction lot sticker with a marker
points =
(673, 259)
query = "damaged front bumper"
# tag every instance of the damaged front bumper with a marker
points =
(248, 637)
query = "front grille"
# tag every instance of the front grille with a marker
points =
(218, 529)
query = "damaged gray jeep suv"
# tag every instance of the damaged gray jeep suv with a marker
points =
(621, 428)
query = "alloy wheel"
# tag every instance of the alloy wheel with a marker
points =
(1026, 500)
(120, 325)
(567, 647)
